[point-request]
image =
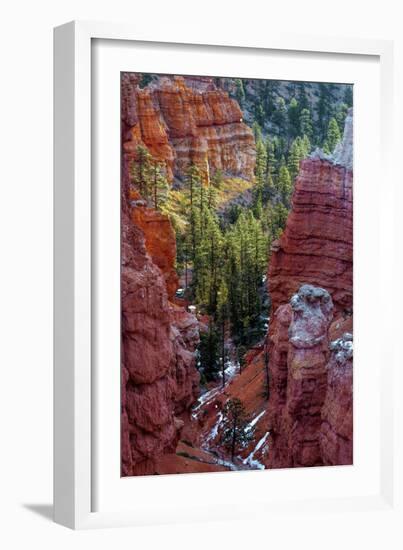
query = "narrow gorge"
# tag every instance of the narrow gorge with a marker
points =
(236, 274)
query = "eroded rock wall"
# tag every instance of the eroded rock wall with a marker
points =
(183, 122)
(317, 244)
(159, 378)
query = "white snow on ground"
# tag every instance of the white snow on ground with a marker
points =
(254, 421)
(231, 370)
(227, 463)
(250, 460)
(205, 398)
(208, 396)
(214, 432)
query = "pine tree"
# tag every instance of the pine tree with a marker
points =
(280, 116)
(260, 177)
(223, 312)
(209, 353)
(159, 184)
(285, 184)
(193, 180)
(348, 95)
(293, 118)
(141, 172)
(305, 146)
(324, 107)
(236, 431)
(340, 116)
(333, 134)
(239, 91)
(257, 132)
(303, 102)
(294, 158)
(305, 123)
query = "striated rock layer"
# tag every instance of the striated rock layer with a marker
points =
(317, 244)
(159, 378)
(185, 121)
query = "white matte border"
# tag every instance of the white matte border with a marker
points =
(77, 402)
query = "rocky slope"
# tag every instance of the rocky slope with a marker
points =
(159, 378)
(183, 121)
(317, 244)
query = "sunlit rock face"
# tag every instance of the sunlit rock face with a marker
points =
(317, 244)
(184, 121)
(159, 377)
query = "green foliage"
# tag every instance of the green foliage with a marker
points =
(305, 123)
(348, 96)
(145, 79)
(280, 116)
(285, 184)
(294, 158)
(333, 134)
(240, 92)
(236, 430)
(148, 176)
(208, 352)
(293, 114)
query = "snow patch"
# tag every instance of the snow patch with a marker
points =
(250, 460)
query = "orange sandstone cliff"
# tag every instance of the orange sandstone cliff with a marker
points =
(185, 121)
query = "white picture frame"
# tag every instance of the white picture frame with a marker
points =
(77, 471)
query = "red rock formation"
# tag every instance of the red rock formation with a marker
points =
(296, 403)
(310, 406)
(160, 243)
(336, 433)
(183, 121)
(317, 244)
(159, 378)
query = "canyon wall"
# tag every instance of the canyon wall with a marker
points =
(317, 244)
(184, 121)
(310, 344)
(159, 377)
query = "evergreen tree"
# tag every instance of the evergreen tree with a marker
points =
(217, 179)
(145, 79)
(257, 132)
(141, 172)
(239, 91)
(285, 184)
(236, 431)
(223, 313)
(294, 158)
(340, 116)
(293, 118)
(305, 123)
(324, 108)
(333, 134)
(305, 145)
(280, 117)
(303, 102)
(348, 96)
(192, 180)
(159, 184)
(209, 353)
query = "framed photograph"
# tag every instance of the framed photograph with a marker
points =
(218, 226)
